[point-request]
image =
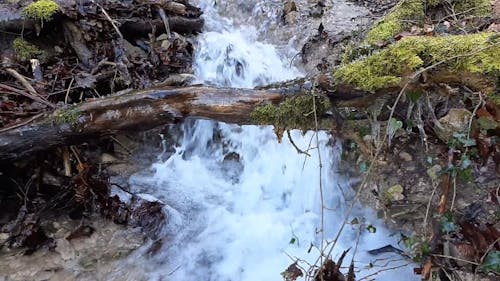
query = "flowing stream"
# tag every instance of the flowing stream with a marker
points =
(241, 205)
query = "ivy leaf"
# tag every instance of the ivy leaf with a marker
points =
(447, 223)
(394, 126)
(363, 167)
(371, 228)
(492, 262)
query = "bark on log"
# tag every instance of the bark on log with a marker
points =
(143, 109)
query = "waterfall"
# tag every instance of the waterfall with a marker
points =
(241, 205)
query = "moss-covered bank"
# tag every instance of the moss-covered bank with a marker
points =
(475, 53)
(413, 12)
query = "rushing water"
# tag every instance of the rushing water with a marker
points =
(241, 205)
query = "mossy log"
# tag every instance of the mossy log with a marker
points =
(474, 60)
(137, 110)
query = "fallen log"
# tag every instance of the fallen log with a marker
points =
(142, 109)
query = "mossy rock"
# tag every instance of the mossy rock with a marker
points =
(42, 10)
(388, 67)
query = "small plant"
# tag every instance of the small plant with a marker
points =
(418, 246)
(461, 143)
(25, 50)
(69, 116)
(41, 10)
(492, 262)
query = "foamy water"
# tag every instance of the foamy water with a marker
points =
(241, 205)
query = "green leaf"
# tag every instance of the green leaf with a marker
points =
(492, 262)
(292, 241)
(414, 95)
(447, 223)
(363, 167)
(371, 228)
(486, 123)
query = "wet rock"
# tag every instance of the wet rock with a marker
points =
(78, 259)
(456, 121)
(317, 10)
(65, 249)
(232, 156)
(291, 17)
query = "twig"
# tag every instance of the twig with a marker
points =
(320, 176)
(66, 161)
(121, 144)
(382, 270)
(109, 19)
(300, 151)
(75, 152)
(68, 90)
(32, 94)
(22, 80)
(164, 18)
(21, 124)
(455, 258)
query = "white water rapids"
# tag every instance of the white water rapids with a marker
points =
(241, 206)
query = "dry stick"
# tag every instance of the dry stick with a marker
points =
(109, 19)
(320, 178)
(68, 90)
(21, 124)
(164, 18)
(379, 147)
(382, 270)
(300, 151)
(32, 94)
(122, 145)
(427, 211)
(66, 161)
(455, 258)
(22, 80)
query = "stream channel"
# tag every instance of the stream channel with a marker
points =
(241, 205)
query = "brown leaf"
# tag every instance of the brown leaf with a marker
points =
(292, 272)
(426, 269)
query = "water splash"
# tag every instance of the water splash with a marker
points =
(241, 204)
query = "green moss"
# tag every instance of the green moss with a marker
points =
(42, 10)
(405, 13)
(473, 7)
(412, 12)
(433, 3)
(387, 67)
(66, 115)
(25, 50)
(293, 113)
